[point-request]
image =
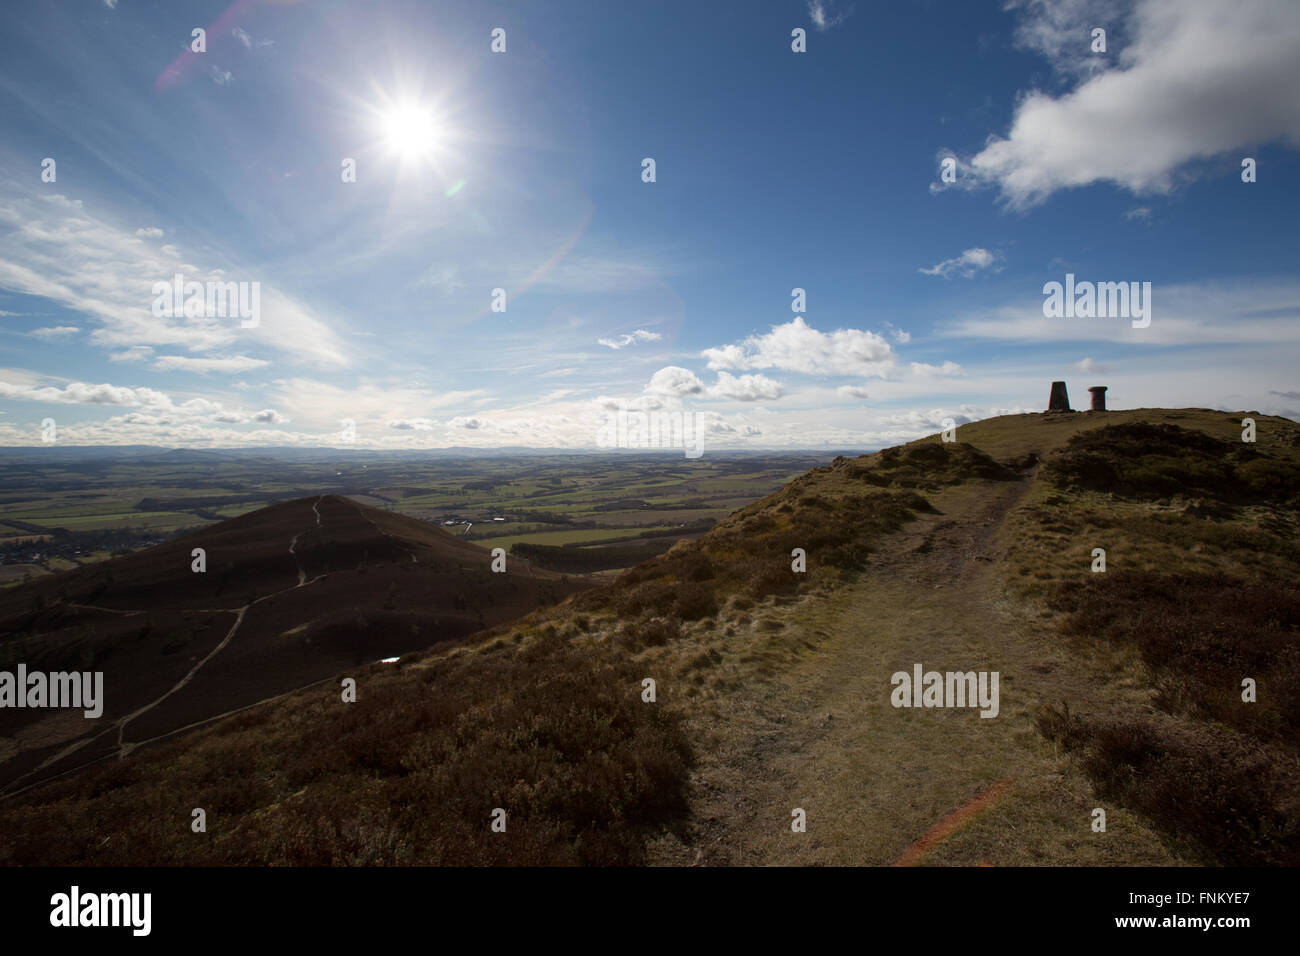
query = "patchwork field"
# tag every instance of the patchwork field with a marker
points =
(62, 508)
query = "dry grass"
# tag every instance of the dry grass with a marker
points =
(761, 675)
(1199, 593)
(554, 733)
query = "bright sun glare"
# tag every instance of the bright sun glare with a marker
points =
(411, 131)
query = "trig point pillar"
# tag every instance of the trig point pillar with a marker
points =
(1098, 398)
(1060, 400)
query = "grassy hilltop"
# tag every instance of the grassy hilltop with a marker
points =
(1120, 690)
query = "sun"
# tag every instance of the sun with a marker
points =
(411, 131)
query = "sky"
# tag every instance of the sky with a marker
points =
(444, 211)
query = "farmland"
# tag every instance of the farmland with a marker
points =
(61, 508)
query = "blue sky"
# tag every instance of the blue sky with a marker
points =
(522, 170)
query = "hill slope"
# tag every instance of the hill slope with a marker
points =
(1120, 690)
(292, 594)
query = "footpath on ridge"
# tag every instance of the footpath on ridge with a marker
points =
(882, 785)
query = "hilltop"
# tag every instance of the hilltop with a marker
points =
(291, 595)
(1121, 690)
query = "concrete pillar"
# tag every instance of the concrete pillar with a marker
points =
(1060, 400)
(1098, 398)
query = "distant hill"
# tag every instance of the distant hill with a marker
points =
(292, 594)
(1160, 686)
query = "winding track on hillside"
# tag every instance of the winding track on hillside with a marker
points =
(882, 785)
(123, 746)
(302, 575)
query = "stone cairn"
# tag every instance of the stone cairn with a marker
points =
(1098, 393)
(1060, 400)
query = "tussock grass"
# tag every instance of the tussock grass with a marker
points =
(1199, 636)
(1201, 590)
(1229, 796)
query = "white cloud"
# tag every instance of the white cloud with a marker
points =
(81, 393)
(966, 265)
(622, 341)
(149, 232)
(1142, 213)
(55, 332)
(221, 77)
(796, 347)
(413, 424)
(675, 381)
(922, 370)
(824, 14)
(745, 388)
(136, 353)
(853, 391)
(1088, 365)
(158, 408)
(1200, 79)
(234, 363)
(111, 4)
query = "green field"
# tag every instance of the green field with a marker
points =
(557, 538)
(103, 503)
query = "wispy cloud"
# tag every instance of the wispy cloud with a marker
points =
(826, 14)
(1214, 312)
(965, 265)
(1088, 365)
(52, 246)
(231, 364)
(55, 332)
(924, 370)
(623, 341)
(249, 43)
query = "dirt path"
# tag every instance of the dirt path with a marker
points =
(123, 746)
(410, 553)
(883, 785)
(293, 545)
